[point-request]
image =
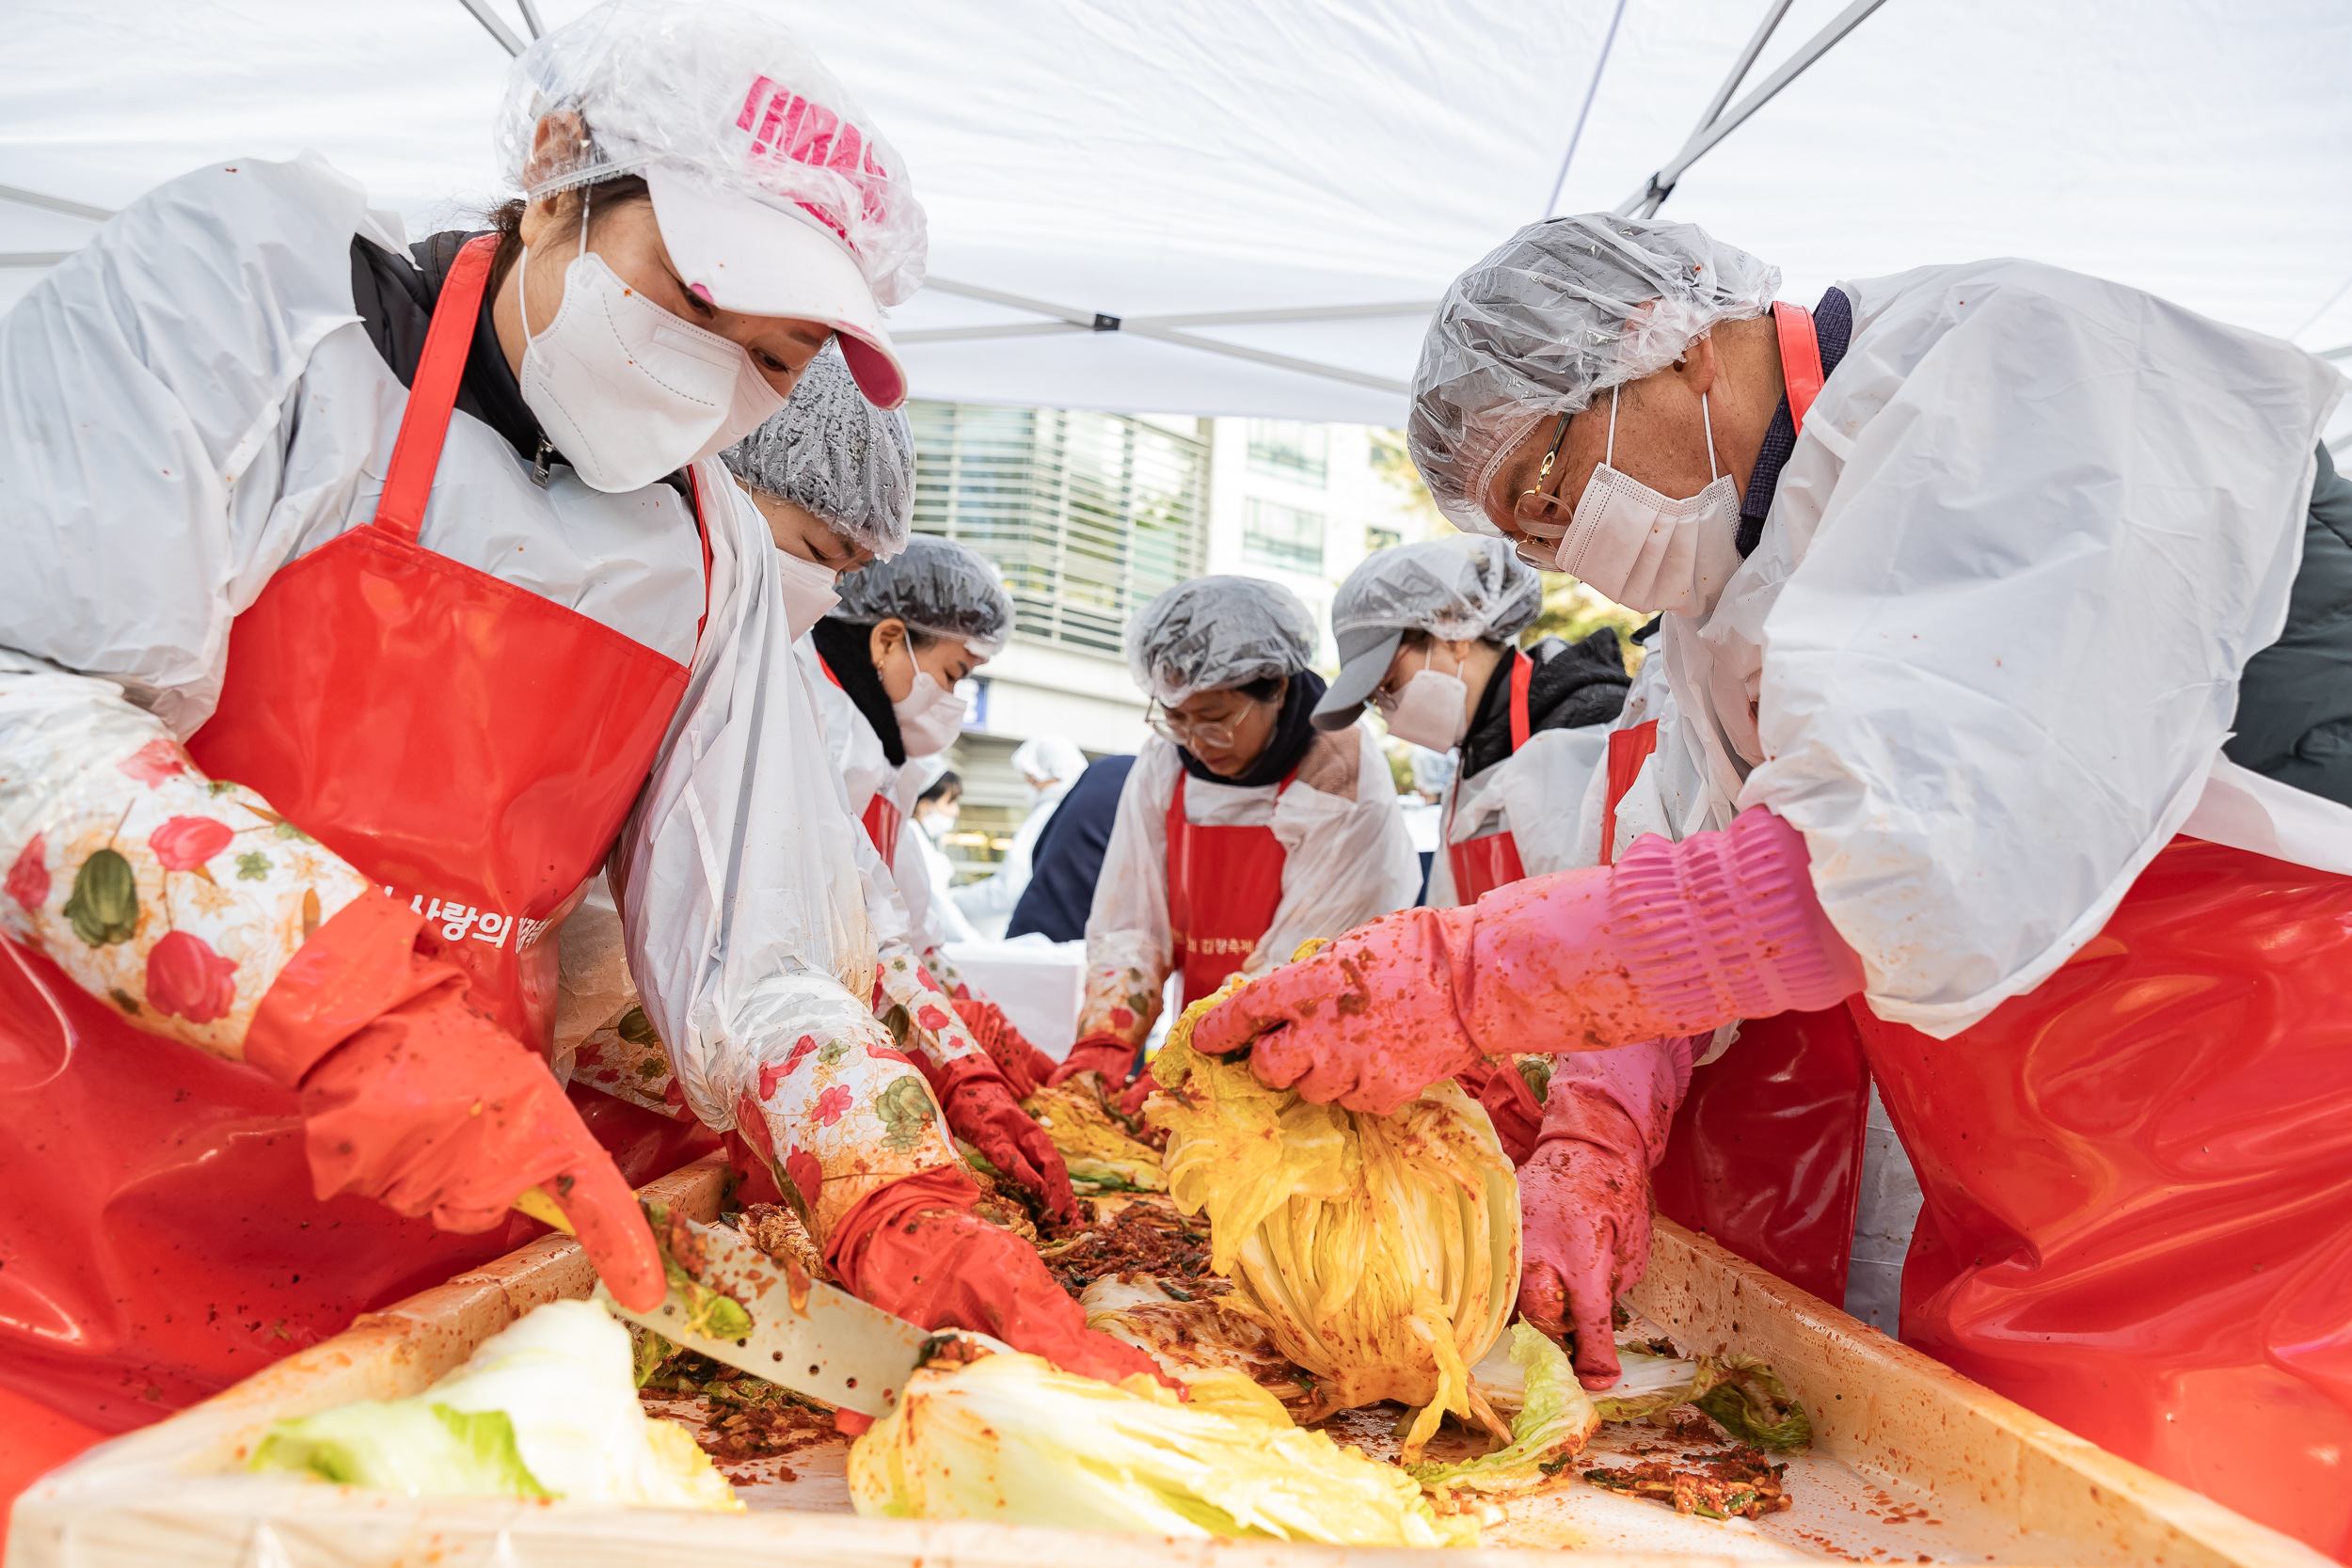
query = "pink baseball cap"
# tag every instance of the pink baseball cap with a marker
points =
(776, 194)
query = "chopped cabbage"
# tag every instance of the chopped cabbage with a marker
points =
(1380, 1253)
(1009, 1438)
(1556, 1420)
(1094, 1144)
(545, 1407)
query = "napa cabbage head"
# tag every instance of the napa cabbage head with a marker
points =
(1380, 1253)
(1011, 1438)
(547, 1407)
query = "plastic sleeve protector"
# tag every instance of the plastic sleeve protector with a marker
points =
(178, 899)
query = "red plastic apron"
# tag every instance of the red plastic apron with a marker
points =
(1485, 863)
(1223, 887)
(464, 742)
(1765, 1154)
(882, 816)
(2138, 1186)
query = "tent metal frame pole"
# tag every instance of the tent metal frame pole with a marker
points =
(54, 204)
(1165, 329)
(1645, 201)
(497, 29)
(1591, 90)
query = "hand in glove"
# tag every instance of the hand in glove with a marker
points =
(1024, 1065)
(919, 1254)
(413, 1098)
(1105, 1054)
(1675, 939)
(1585, 1195)
(981, 1111)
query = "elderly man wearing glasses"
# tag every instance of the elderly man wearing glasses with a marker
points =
(1997, 725)
(1243, 829)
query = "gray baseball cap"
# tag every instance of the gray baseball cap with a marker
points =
(1457, 588)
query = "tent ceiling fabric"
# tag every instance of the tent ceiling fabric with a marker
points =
(1146, 161)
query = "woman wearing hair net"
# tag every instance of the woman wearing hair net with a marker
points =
(426, 549)
(1243, 829)
(1426, 633)
(1998, 705)
(887, 658)
(834, 477)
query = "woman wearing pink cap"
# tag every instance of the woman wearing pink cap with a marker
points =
(365, 598)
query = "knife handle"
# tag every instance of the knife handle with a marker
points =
(539, 1205)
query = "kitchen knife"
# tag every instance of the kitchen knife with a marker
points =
(731, 1301)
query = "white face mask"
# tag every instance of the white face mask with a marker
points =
(809, 590)
(1433, 709)
(1649, 552)
(929, 719)
(629, 392)
(939, 824)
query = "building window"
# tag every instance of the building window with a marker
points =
(1282, 536)
(1381, 539)
(1289, 449)
(1088, 515)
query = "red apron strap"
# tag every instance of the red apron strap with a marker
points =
(433, 391)
(1800, 358)
(1628, 750)
(1522, 676)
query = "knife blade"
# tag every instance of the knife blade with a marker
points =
(731, 1301)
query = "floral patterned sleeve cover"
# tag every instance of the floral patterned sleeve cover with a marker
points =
(176, 898)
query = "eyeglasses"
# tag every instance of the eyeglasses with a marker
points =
(1541, 512)
(1193, 733)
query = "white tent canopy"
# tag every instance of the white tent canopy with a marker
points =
(1160, 163)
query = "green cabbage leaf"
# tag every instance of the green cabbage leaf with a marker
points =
(547, 1407)
(1556, 1419)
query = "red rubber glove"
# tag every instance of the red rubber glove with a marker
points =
(1143, 1088)
(1103, 1052)
(413, 1098)
(1024, 1065)
(1585, 1193)
(914, 1250)
(1675, 939)
(981, 1111)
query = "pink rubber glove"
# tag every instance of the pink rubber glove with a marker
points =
(1107, 1055)
(1675, 939)
(1584, 1198)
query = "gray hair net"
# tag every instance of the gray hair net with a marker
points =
(1454, 587)
(1215, 632)
(1564, 308)
(937, 586)
(827, 449)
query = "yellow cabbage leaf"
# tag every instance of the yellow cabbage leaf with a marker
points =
(1093, 1143)
(1009, 1438)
